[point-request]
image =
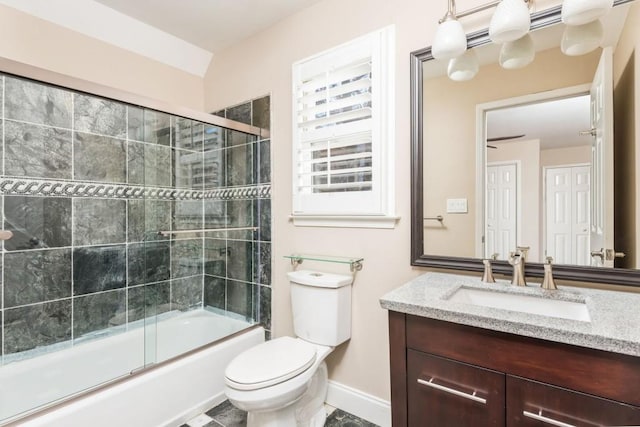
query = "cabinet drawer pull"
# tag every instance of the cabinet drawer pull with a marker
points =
(473, 396)
(540, 417)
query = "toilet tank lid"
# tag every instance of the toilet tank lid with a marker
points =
(319, 279)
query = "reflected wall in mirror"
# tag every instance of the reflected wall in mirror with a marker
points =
(543, 156)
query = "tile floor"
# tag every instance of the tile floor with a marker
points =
(226, 415)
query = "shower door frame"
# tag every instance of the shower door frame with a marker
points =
(19, 69)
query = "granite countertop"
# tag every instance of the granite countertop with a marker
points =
(614, 324)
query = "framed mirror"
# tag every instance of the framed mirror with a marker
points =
(542, 156)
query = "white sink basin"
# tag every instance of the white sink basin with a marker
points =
(522, 303)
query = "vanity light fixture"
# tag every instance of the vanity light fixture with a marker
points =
(518, 53)
(582, 39)
(450, 40)
(579, 12)
(463, 68)
(510, 26)
(510, 21)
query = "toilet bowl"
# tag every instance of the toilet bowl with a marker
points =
(291, 386)
(283, 382)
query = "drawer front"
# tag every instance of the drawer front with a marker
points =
(442, 393)
(613, 376)
(534, 404)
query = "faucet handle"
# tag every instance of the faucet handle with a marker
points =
(487, 275)
(494, 256)
(548, 282)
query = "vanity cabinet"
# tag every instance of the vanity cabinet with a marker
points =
(446, 374)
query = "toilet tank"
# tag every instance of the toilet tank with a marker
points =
(321, 304)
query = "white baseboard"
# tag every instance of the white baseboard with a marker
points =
(363, 405)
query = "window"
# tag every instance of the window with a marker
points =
(343, 134)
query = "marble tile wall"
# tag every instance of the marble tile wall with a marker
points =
(238, 264)
(83, 182)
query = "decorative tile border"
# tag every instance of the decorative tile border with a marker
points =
(51, 188)
(262, 191)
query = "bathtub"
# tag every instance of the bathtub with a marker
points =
(168, 393)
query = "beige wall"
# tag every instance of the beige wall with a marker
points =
(453, 142)
(42, 44)
(527, 154)
(626, 97)
(565, 156)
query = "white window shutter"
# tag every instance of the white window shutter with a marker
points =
(340, 129)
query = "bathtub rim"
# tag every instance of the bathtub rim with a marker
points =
(55, 405)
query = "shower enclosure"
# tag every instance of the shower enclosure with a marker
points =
(136, 233)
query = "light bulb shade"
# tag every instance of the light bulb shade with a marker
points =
(582, 39)
(580, 12)
(463, 68)
(510, 21)
(450, 40)
(517, 54)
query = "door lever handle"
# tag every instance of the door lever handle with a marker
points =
(607, 254)
(590, 132)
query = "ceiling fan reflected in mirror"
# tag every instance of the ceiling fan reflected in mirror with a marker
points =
(502, 138)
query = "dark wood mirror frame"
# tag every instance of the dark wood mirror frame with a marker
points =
(616, 276)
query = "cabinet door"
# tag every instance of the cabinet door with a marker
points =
(445, 393)
(534, 404)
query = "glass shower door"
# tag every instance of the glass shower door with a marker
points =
(68, 312)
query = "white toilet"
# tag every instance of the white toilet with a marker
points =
(283, 382)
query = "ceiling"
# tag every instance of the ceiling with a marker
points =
(184, 34)
(209, 24)
(555, 123)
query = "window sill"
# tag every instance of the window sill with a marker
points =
(345, 221)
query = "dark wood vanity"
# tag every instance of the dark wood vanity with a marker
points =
(446, 374)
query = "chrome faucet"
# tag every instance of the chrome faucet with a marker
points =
(487, 276)
(517, 259)
(548, 282)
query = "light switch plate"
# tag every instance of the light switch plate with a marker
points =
(457, 206)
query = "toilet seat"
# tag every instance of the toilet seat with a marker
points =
(270, 363)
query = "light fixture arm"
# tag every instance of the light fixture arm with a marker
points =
(451, 12)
